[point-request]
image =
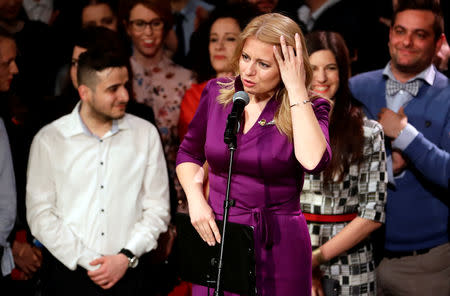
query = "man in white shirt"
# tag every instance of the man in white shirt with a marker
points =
(97, 191)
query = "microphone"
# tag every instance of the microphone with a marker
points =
(240, 100)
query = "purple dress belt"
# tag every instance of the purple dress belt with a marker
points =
(261, 217)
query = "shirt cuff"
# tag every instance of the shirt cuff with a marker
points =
(405, 138)
(86, 258)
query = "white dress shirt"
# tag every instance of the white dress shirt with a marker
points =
(89, 196)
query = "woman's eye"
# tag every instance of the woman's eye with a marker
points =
(231, 39)
(264, 65)
(245, 57)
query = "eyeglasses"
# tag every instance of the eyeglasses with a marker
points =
(140, 25)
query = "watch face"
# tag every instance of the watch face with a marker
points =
(133, 262)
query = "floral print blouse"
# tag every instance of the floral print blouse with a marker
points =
(162, 87)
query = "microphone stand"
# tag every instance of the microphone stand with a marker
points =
(230, 139)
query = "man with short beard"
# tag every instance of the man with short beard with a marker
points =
(410, 99)
(97, 191)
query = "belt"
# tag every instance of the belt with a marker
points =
(399, 254)
(261, 217)
(330, 218)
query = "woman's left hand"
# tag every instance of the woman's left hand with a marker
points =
(291, 65)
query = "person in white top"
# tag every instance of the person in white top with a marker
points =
(97, 191)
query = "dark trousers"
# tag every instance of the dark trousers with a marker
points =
(58, 280)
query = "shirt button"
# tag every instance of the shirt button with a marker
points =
(101, 162)
(101, 186)
(103, 233)
(103, 210)
(101, 141)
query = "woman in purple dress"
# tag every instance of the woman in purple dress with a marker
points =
(284, 134)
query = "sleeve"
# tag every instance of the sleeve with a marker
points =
(372, 183)
(7, 188)
(192, 149)
(154, 201)
(322, 110)
(42, 216)
(431, 160)
(188, 107)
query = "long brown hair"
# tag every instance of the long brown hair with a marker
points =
(268, 28)
(346, 121)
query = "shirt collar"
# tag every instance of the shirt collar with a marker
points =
(76, 125)
(426, 75)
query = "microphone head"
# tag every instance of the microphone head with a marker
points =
(241, 96)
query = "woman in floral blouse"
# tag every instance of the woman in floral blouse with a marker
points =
(345, 203)
(157, 81)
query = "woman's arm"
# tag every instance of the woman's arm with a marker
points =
(371, 210)
(309, 140)
(347, 238)
(202, 216)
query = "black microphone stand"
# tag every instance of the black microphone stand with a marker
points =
(230, 139)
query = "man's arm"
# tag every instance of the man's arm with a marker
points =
(7, 192)
(432, 161)
(154, 200)
(42, 212)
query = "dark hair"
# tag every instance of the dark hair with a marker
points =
(429, 5)
(242, 13)
(111, 3)
(160, 7)
(99, 38)
(6, 34)
(95, 60)
(346, 122)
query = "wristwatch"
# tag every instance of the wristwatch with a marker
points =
(132, 259)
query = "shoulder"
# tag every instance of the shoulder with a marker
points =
(139, 124)
(320, 103)
(442, 82)
(214, 85)
(362, 78)
(52, 131)
(373, 134)
(61, 124)
(371, 128)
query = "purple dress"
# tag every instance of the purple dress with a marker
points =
(266, 184)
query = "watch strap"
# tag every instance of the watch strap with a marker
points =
(127, 253)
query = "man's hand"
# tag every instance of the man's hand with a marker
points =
(398, 162)
(111, 270)
(393, 123)
(27, 258)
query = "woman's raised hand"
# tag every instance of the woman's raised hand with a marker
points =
(291, 65)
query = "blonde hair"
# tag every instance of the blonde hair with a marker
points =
(268, 28)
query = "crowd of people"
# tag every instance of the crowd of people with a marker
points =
(112, 120)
